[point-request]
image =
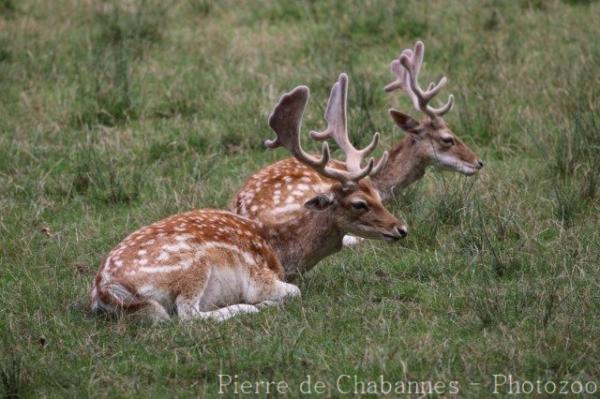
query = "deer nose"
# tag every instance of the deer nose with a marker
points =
(480, 163)
(402, 231)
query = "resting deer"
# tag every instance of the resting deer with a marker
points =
(429, 142)
(211, 264)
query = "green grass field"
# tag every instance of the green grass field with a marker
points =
(115, 115)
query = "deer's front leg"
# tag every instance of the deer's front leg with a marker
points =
(206, 288)
(351, 241)
(282, 292)
(190, 308)
(221, 314)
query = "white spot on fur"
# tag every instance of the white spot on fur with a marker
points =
(160, 269)
(182, 246)
(184, 237)
(321, 187)
(286, 208)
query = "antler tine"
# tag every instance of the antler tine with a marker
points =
(402, 81)
(336, 117)
(286, 120)
(407, 68)
(382, 161)
(398, 83)
(440, 111)
(335, 114)
(399, 71)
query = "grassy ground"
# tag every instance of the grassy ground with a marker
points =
(112, 117)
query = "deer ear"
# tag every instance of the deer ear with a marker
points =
(405, 122)
(320, 202)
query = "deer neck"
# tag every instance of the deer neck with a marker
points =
(302, 242)
(404, 167)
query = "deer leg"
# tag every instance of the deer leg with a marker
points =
(285, 291)
(351, 241)
(116, 297)
(193, 303)
(190, 309)
(154, 311)
(280, 301)
(276, 292)
(221, 314)
(262, 288)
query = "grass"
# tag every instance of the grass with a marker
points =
(114, 115)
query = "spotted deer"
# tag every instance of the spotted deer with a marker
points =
(210, 264)
(429, 142)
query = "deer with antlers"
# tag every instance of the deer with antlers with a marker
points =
(429, 142)
(209, 264)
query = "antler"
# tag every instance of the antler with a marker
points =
(286, 120)
(335, 115)
(406, 69)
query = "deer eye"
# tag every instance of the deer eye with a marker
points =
(448, 140)
(360, 206)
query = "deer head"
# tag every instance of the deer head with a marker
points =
(352, 201)
(437, 142)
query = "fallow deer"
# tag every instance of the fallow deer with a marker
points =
(429, 142)
(211, 264)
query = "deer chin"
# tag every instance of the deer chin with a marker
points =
(390, 237)
(376, 234)
(445, 162)
(365, 232)
(467, 169)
